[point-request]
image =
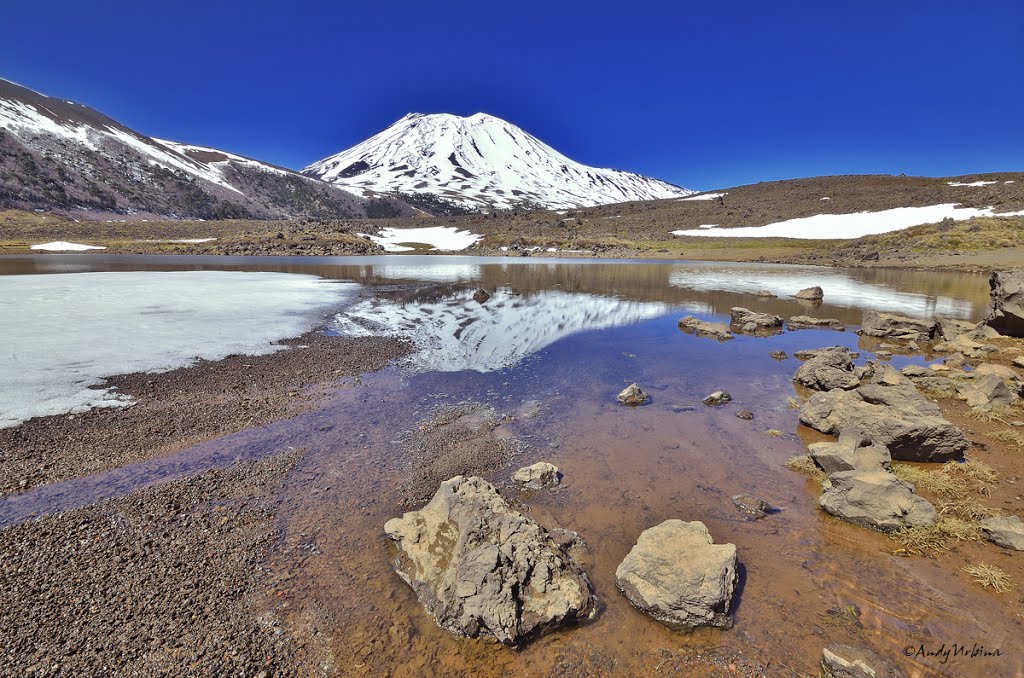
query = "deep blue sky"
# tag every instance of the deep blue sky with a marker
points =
(706, 95)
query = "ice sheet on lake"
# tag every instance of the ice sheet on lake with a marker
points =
(61, 334)
(456, 333)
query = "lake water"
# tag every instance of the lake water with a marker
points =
(570, 334)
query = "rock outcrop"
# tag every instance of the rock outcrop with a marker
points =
(539, 476)
(898, 417)
(1006, 314)
(481, 568)
(828, 369)
(898, 327)
(632, 395)
(752, 507)
(854, 451)
(986, 392)
(876, 499)
(1005, 531)
(752, 321)
(677, 574)
(703, 328)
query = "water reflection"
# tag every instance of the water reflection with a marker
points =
(454, 332)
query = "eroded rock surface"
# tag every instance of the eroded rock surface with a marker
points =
(893, 326)
(632, 395)
(898, 417)
(481, 568)
(876, 499)
(828, 369)
(538, 476)
(703, 328)
(854, 451)
(1006, 314)
(1006, 531)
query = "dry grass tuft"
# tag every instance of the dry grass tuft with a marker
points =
(989, 416)
(939, 481)
(936, 538)
(1007, 436)
(793, 404)
(804, 464)
(989, 576)
(976, 470)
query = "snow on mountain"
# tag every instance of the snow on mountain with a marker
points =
(58, 154)
(846, 226)
(455, 333)
(480, 161)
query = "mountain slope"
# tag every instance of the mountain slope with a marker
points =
(61, 155)
(480, 161)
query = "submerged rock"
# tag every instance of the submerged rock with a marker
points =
(898, 417)
(828, 369)
(806, 322)
(752, 508)
(854, 451)
(845, 661)
(717, 398)
(876, 499)
(1005, 531)
(677, 574)
(538, 476)
(810, 294)
(746, 415)
(779, 355)
(481, 568)
(766, 294)
(632, 395)
(703, 328)
(1006, 313)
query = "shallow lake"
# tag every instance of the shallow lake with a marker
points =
(570, 334)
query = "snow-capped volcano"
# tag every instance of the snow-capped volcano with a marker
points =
(480, 161)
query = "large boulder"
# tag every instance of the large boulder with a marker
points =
(677, 574)
(827, 370)
(481, 568)
(963, 344)
(854, 451)
(810, 294)
(893, 326)
(898, 417)
(1006, 531)
(752, 321)
(1006, 314)
(703, 328)
(876, 499)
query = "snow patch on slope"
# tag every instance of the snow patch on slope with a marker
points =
(60, 335)
(705, 196)
(65, 246)
(445, 238)
(480, 161)
(456, 333)
(848, 226)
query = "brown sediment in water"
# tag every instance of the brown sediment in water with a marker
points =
(185, 406)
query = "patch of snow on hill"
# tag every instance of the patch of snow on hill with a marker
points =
(973, 183)
(705, 196)
(64, 246)
(848, 226)
(62, 334)
(444, 238)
